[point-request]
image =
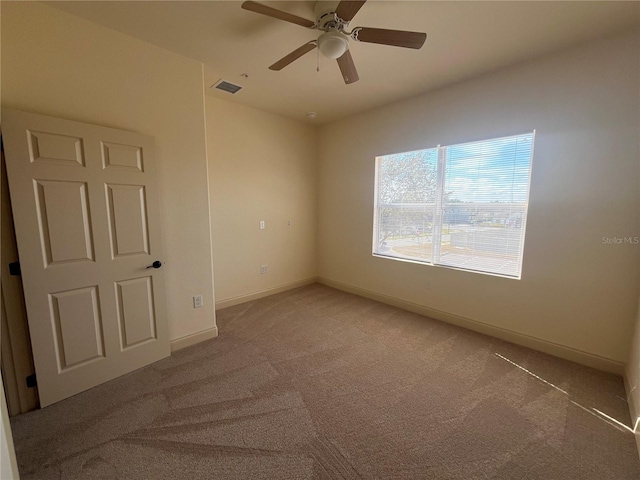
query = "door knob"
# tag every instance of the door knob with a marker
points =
(156, 264)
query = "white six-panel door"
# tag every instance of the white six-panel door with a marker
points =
(85, 206)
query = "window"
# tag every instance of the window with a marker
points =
(461, 206)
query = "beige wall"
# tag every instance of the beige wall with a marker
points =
(261, 167)
(575, 292)
(57, 64)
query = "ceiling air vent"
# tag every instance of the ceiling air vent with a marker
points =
(226, 86)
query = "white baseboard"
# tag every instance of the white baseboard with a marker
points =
(568, 353)
(230, 302)
(188, 340)
(633, 410)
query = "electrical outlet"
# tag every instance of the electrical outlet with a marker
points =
(264, 269)
(262, 225)
(197, 301)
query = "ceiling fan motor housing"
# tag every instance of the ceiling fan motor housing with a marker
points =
(325, 13)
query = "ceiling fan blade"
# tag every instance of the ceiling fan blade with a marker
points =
(347, 9)
(397, 38)
(279, 14)
(348, 68)
(296, 54)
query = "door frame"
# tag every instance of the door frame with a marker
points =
(17, 357)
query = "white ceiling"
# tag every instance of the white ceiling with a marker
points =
(465, 39)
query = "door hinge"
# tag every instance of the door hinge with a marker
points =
(31, 381)
(14, 268)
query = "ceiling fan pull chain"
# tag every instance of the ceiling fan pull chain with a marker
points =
(318, 60)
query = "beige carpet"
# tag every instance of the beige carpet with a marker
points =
(317, 383)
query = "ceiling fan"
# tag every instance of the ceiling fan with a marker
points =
(334, 42)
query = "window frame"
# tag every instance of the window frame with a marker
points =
(439, 204)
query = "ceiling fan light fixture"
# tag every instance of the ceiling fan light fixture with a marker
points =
(333, 44)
